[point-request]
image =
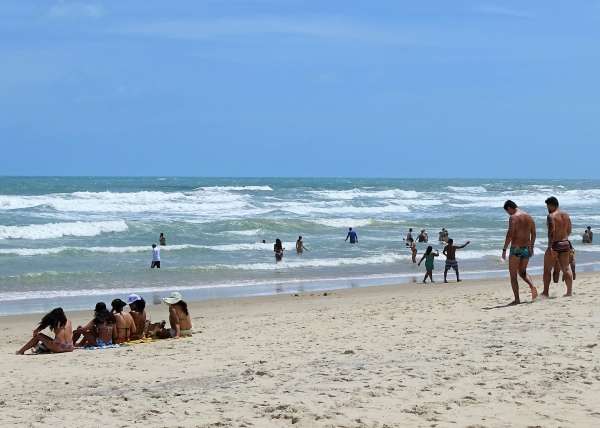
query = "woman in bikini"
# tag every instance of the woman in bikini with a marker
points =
(179, 316)
(278, 249)
(100, 331)
(58, 323)
(124, 321)
(137, 311)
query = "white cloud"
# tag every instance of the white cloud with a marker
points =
(68, 9)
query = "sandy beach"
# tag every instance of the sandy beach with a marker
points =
(410, 355)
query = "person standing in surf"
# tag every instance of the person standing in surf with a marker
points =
(300, 246)
(155, 257)
(450, 253)
(352, 236)
(521, 237)
(278, 250)
(559, 246)
(162, 240)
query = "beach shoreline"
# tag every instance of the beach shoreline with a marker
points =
(403, 356)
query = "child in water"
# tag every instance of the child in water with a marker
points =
(429, 257)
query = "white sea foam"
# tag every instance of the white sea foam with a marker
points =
(252, 232)
(58, 230)
(238, 188)
(467, 189)
(364, 193)
(344, 222)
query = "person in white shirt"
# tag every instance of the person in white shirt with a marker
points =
(155, 257)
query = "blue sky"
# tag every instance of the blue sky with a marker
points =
(300, 88)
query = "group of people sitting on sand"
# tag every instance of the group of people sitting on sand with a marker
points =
(108, 328)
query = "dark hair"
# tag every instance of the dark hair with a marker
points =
(300, 237)
(278, 245)
(153, 245)
(138, 306)
(349, 228)
(183, 306)
(102, 315)
(428, 250)
(510, 204)
(54, 319)
(450, 241)
(161, 234)
(552, 201)
(118, 305)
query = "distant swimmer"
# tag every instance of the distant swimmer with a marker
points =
(162, 240)
(155, 257)
(588, 235)
(264, 241)
(450, 253)
(559, 246)
(429, 257)
(413, 251)
(443, 235)
(352, 236)
(300, 246)
(423, 236)
(409, 237)
(521, 237)
(278, 249)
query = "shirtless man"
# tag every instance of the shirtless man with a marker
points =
(521, 238)
(450, 253)
(559, 246)
(300, 246)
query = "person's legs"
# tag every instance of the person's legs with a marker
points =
(513, 270)
(556, 272)
(457, 274)
(525, 276)
(549, 260)
(446, 269)
(563, 259)
(431, 275)
(40, 337)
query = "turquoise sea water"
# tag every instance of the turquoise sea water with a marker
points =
(74, 241)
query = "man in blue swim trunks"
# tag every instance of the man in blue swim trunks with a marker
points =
(521, 238)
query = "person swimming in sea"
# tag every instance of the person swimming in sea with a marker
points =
(124, 321)
(352, 236)
(451, 263)
(278, 250)
(100, 331)
(57, 322)
(162, 240)
(429, 257)
(300, 246)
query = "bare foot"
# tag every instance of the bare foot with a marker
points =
(544, 294)
(568, 295)
(534, 293)
(514, 303)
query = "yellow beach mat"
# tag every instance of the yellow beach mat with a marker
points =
(138, 341)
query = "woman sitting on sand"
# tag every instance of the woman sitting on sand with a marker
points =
(62, 329)
(137, 310)
(124, 321)
(100, 331)
(179, 316)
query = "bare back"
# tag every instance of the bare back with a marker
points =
(177, 316)
(559, 226)
(521, 229)
(64, 334)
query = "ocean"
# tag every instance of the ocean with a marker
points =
(73, 241)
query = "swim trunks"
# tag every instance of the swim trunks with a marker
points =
(155, 264)
(561, 246)
(451, 264)
(520, 252)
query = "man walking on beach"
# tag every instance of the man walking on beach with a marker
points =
(352, 236)
(521, 238)
(559, 246)
(450, 253)
(155, 257)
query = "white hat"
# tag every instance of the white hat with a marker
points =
(133, 298)
(175, 297)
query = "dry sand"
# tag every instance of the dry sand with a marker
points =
(408, 355)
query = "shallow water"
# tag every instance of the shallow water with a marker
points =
(72, 241)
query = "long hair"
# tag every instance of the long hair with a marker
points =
(103, 315)
(428, 250)
(54, 319)
(278, 245)
(183, 306)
